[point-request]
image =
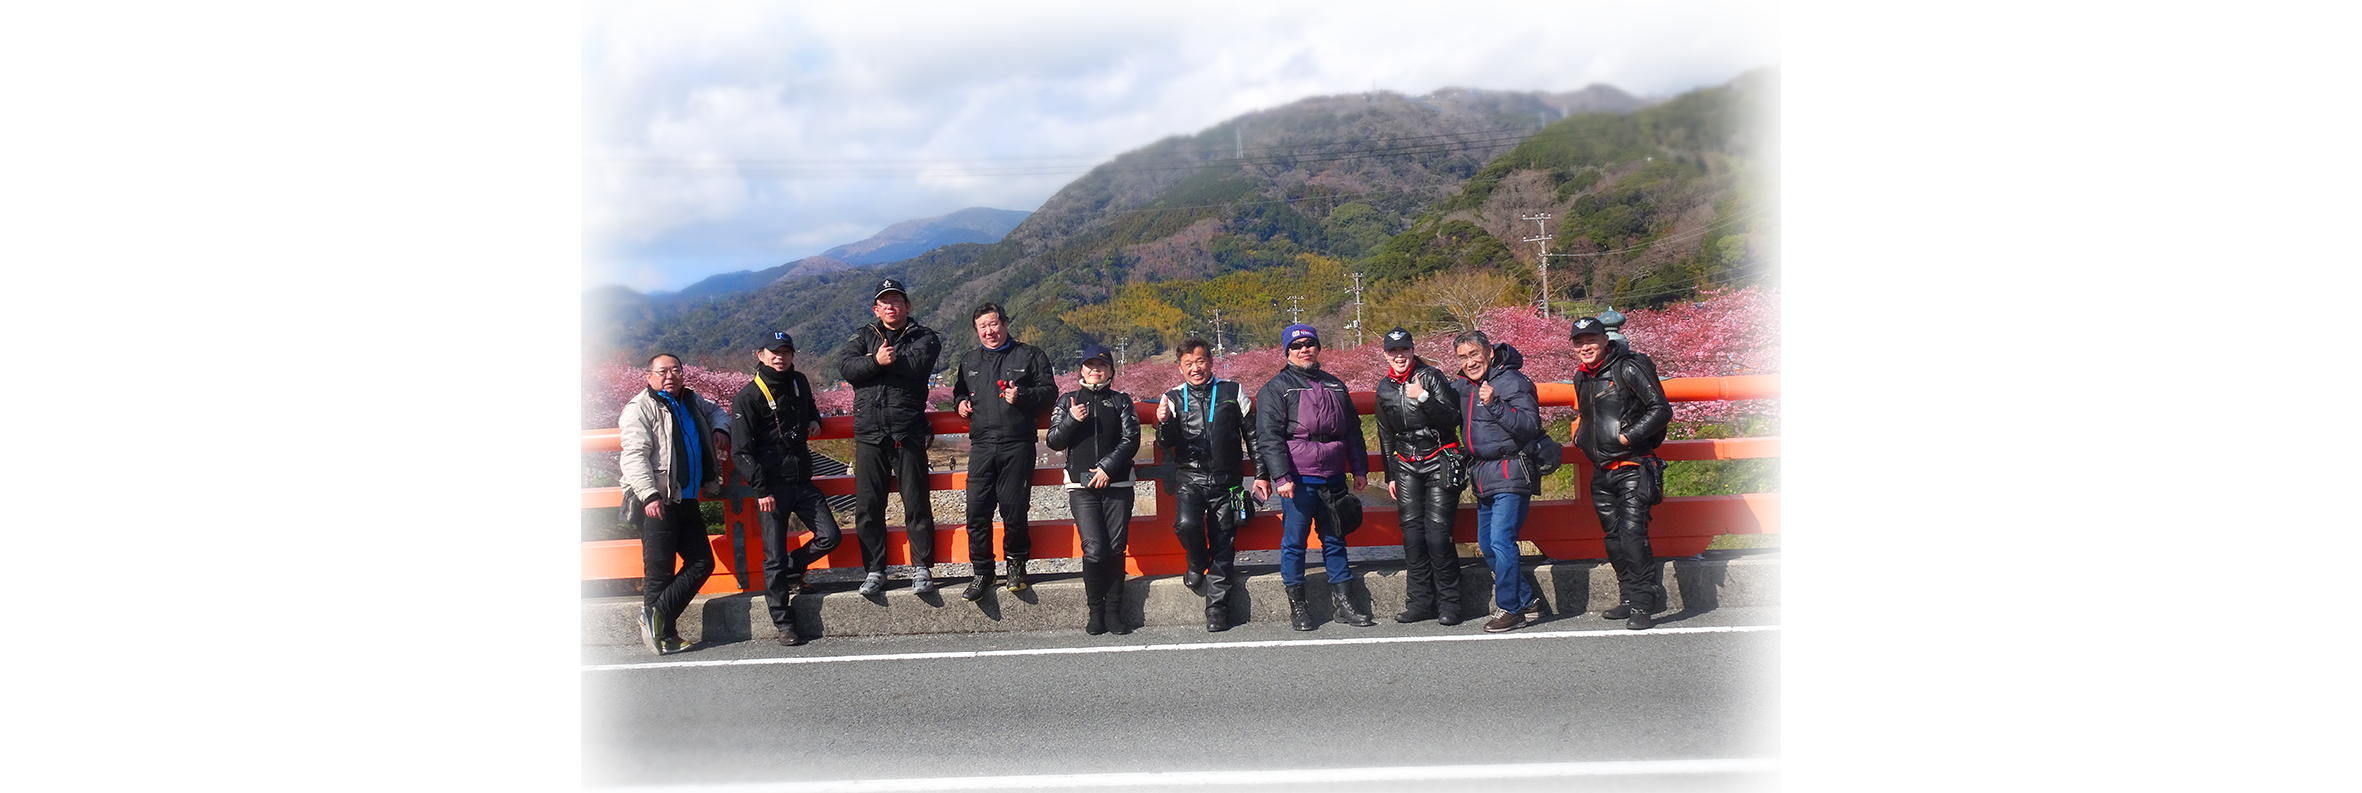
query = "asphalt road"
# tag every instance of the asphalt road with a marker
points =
(1572, 703)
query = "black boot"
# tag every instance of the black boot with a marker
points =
(1621, 611)
(1416, 611)
(1094, 598)
(1114, 600)
(1194, 580)
(1217, 618)
(978, 585)
(1017, 582)
(1299, 617)
(1345, 611)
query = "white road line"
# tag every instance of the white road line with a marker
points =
(1323, 776)
(1457, 637)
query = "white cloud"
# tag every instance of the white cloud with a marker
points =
(821, 123)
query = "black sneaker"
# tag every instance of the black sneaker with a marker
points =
(790, 638)
(1621, 611)
(648, 630)
(1639, 621)
(976, 588)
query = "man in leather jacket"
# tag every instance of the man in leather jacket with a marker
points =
(999, 388)
(1207, 427)
(1620, 418)
(888, 362)
(775, 414)
(1310, 436)
(1418, 415)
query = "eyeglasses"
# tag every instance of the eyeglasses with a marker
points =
(672, 371)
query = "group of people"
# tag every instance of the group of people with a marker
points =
(1298, 440)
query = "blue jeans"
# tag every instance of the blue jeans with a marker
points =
(1498, 517)
(1295, 521)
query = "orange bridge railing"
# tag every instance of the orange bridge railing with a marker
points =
(1561, 528)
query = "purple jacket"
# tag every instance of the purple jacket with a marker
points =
(1306, 425)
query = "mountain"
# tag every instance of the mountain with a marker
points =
(1650, 200)
(913, 237)
(897, 242)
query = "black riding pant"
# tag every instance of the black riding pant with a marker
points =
(873, 463)
(1428, 506)
(1103, 518)
(1207, 525)
(999, 475)
(1621, 499)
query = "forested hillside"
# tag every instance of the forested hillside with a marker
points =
(1424, 195)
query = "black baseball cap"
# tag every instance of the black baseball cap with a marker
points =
(1099, 352)
(1399, 339)
(1587, 325)
(778, 340)
(890, 285)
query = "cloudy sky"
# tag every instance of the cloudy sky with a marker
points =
(733, 136)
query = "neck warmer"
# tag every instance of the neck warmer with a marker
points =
(687, 427)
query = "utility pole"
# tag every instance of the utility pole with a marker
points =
(1541, 242)
(1295, 312)
(1356, 309)
(1217, 332)
(1120, 346)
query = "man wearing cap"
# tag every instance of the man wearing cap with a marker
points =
(1207, 424)
(1000, 387)
(674, 442)
(1311, 441)
(887, 362)
(1620, 418)
(774, 415)
(1418, 415)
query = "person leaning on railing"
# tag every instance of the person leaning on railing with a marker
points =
(1099, 430)
(674, 441)
(773, 416)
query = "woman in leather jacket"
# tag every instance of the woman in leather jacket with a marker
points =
(1419, 417)
(1099, 430)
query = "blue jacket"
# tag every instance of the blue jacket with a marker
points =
(1496, 432)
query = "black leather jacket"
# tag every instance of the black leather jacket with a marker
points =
(1202, 456)
(1106, 440)
(1416, 430)
(1622, 397)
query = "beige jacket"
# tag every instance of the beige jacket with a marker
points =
(647, 428)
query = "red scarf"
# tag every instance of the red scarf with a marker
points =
(1592, 368)
(1405, 375)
